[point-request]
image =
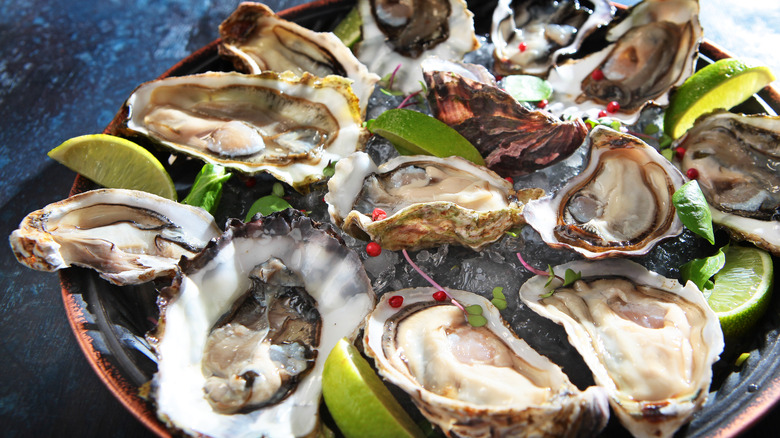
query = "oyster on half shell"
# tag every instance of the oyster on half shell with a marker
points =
(427, 200)
(620, 204)
(476, 381)
(291, 127)
(128, 236)
(245, 329)
(649, 341)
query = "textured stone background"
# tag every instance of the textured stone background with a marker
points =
(65, 69)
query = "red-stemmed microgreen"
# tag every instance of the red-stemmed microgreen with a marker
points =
(431, 281)
(569, 277)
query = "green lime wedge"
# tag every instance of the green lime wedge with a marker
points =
(349, 29)
(358, 401)
(723, 84)
(115, 162)
(742, 289)
(412, 133)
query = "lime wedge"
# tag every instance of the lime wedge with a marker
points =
(115, 162)
(742, 289)
(348, 30)
(358, 401)
(723, 84)
(412, 132)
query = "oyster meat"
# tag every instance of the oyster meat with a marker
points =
(650, 51)
(245, 329)
(649, 341)
(530, 35)
(128, 236)
(427, 200)
(399, 35)
(737, 159)
(291, 127)
(255, 40)
(475, 381)
(620, 204)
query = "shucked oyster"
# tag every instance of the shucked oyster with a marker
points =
(428, 201)
(649, 52)
(620, 204)
(737, 159)
(128, 236)
(404, 33)
(291, 127)
(245, 331)
(476, 382)
(256, 40)
(649, 341)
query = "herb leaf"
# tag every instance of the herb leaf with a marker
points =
(693, 210)
(474, 309)
(267, 205)
(526, 88)
(207, 189)
(570, 277)
(477, 320)
(498, 292)
(499, 303)
(699, 271)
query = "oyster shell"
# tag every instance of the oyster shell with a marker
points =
(513, 139)
(650, 51)
(128, 236)
(404, 33)
(547, 28)
(649, 341)
(620, 204)
(255, 40)
(245, 330)
(475, 382)
(291, 127)
(428, 201)
(737, 159)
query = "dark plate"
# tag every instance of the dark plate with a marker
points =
(110, 322)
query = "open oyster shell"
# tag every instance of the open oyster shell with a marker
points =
(428, 201)
(128, 236)
(650, 51)
(620, 204)
(737, 158)
(291, 127)
(405, 33)
(475, 382)
(255, 40)
(245, 330)
(649, 341)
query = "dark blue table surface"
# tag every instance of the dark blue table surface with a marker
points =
(65, 69)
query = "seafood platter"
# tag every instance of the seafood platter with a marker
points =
(218, 324)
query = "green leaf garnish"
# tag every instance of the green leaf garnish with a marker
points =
(699, 271)
(477, 320)
(267, 205)
(498, 292)
(550, 275)
(570, 277)
(526, 88)
(499, 303)
(668, 153)
(693, 210)
(207, 189)
(330, 169)
(474, 309)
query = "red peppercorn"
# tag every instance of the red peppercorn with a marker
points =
(522, 47)
(602, 113)
(597, 75)
(509, 178)
(440, 295)
(692, 173)
(542, 104)
(679, 151)
(396, 301)
(250, 182)
(373, 249)
(378, 214)
(613, 107)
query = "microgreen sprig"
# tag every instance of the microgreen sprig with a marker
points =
(569, 277)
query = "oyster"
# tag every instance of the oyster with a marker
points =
(620, 204)
(291, 127)
(128, 236)
(428, 201)
(547, 29)
(737, 159)
(404, 33)
(255, 40)
(513, 139)
(649, 341)
(475, 382)
(649, 52)
(245, 330)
